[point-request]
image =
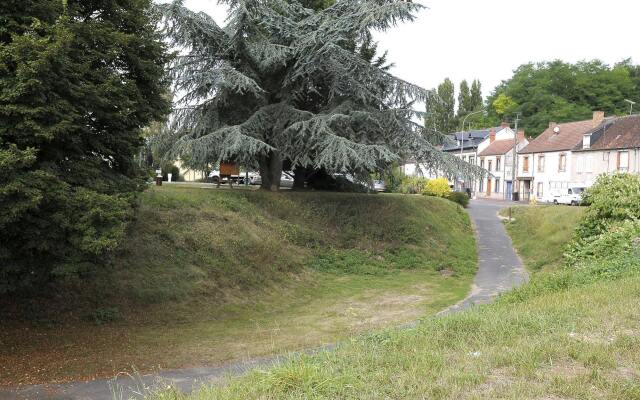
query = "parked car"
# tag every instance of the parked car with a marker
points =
(379, 186)
(572, 197)
(286, 179)
(214, 176)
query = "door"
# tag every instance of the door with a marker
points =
(488, 187)
(509, 189)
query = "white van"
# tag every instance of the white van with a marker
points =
(571, 197)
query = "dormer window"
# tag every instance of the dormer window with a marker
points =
(586, 141)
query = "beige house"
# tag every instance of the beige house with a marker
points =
(546, 165)
(573, 154)
(614, 146)
(190, 175)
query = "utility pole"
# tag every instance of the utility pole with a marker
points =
(514, 163)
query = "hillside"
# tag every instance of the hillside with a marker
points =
(569, 333)
(215, 275)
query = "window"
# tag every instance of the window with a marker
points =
(482, 163)
(562, 163)
(540, 191)
(472, 160)
(586, 141)
(490, 164)
(580, 164)
(540, 163)
(623, 161)
(525, 164)
(497, 163)
(497, 189)
(588, 162)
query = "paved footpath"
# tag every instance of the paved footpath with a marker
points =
(499, 269)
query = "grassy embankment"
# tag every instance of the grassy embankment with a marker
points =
(569, 334)
(540, 234)
(208, 276)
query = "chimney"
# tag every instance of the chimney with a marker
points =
(598, 117)
(492, 135)
(504, 124)
(520, 136)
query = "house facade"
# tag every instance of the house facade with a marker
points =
(546, 166)
(614, 146)
(496, 156)
(467, 146)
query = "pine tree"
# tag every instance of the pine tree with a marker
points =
(77, 81)
(283, 82)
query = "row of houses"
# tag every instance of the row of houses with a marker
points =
(564, 156)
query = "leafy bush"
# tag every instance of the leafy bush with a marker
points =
(607, 242)
(413, 185)
(460, 198)
(437, 187)
(173, 170)
(612, 199)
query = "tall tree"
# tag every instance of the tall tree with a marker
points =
(440, 113)
(476, 96)
(283, 82)
(76, 84)
(464, 100)
(559, 91)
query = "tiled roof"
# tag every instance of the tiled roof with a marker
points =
(615, 133)
(498, 147)
(567, 138)
(471, 138)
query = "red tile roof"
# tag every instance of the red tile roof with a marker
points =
(498, 147)
(617, 133)
(567, 138)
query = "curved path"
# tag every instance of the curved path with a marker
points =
(499, 269)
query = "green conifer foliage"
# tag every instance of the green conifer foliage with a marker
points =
(284, 82)
(77, 82)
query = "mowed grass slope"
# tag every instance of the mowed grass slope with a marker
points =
(541, 233)
(208, 276)
(569, 334)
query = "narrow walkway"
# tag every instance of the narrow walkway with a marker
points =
(499, 269)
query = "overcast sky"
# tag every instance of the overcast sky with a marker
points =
(467, 39)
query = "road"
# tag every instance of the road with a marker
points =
(499, 269)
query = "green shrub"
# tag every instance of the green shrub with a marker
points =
(460, 198)
(413, 185)
(612, 199)
(438, 187)
(173, 170)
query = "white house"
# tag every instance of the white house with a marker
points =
(546, 166)
(495, 154)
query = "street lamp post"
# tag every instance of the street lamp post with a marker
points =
(464, 120)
